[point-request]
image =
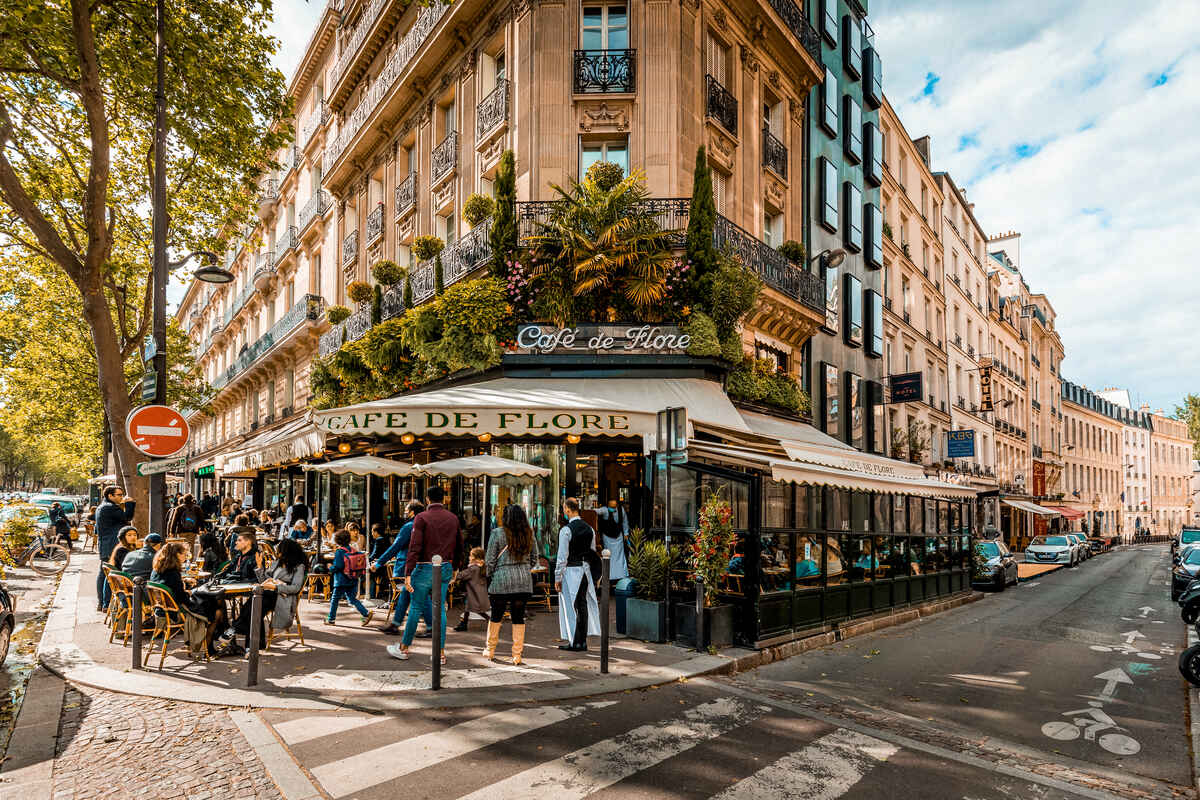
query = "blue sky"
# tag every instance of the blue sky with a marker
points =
(1071, 122)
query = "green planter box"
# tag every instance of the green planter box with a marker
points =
(718, 625)
(646, 619)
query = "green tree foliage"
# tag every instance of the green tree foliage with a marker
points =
(336, 313)
(1189, 412)
(503, 235)
(359, 291)
(439, 280)
(703, 333)
(376, 305)
(733, 291)
(701, 253)
(757, 381)
(76, 129)
(477, 208)
(388, 273)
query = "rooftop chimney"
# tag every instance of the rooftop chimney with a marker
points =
(922, 146)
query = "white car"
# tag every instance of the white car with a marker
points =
(1054, 549)
(1082, 551)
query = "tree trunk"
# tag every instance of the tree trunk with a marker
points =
(111, 378)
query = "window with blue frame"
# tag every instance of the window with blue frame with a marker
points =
(874, 333)
(872, 139)
(856, 427)
(872, 78)
(829, 195)
(852, 46)
(832, 299)
(830, 399)
(873, 236)
(853, 314)
(829, 103)
(854, 217)
(829, 21)
(852, 140)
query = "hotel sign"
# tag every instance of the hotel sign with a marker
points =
(985, 388)
(545, 339)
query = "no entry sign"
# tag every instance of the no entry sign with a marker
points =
(157, 431)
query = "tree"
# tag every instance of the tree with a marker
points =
(503, 235)
(700, 252)
(1189, 412)
(76, 136)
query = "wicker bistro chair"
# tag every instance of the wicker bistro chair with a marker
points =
(543, 585)
(122, 615)
(168, 620)
(273, 636)
(397, 585)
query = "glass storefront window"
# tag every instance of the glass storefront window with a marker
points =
(835, 562)
(896, 560)
(860, 511)
(931, 520)
(943, 526)
(775, 562)
(857, 551)
(804, 506)
(541, 498)
(917, 556)
(352, 495)
(808, 561)
(916, 515)
(899, 518)
(883, 556)
(883, 513)
(837, 510)
(777, 504)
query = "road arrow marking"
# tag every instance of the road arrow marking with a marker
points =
(1112, 678)
(1131, 635)
(1146, 610)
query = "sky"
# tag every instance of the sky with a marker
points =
(1074, 123)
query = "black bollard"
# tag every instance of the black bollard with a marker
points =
(135, 620)
(701, 639)
(255, 635)
(605, 607)
(437, 622)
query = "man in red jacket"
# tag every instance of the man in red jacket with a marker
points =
(436, 532)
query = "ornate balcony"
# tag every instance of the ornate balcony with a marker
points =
(406, 195)
(331, 340)
(354, 42)
(286, 243)
(358, 323)
(720, 104)
(445, 157)
(794, 18)
(770, 265)
(605, 71)
(268, 193)
(375, 223)
(264, 269)
(350, 248)
(308, 309)
(311, 125)
(314, 209)
(774, 155)
(492, 112)
(393, 301)
(238, 301)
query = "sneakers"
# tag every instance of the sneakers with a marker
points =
(330, 621)
(390, 630)
(460, 627)
(396, 651)
(366, 620)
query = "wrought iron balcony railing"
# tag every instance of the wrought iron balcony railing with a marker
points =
(352, 43)
(350, 248)
(445, 157)
(268, 191)
(492, 111)
(286, 243)
(358, 323)
(314, 209)
(800, 27)
(605, 71)
(375, 223)
(720, 104)
(406, 194)
(308, 309)
(774, 155)
(264, 265)
(312, 125)
(393, 301)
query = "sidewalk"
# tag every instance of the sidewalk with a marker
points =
(347, 665)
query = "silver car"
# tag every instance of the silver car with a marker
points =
(1056, 548)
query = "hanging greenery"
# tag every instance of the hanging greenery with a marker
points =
(757, 381)
(439, 280)
(733, 291)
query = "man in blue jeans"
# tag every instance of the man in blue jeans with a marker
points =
(398, 550)
(111, 515)
(436, 532)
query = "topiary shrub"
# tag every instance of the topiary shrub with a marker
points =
(734, 292)
(503, 235)
(336, 314)
(388, 273)
(703, 333)
(793, 251)
(477, 208)
(359, 291)
(376, 304)
(426, 247)
(605, 175)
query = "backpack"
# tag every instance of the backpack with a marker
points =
(189, 522)
(355, 565)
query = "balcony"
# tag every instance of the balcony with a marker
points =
(887, 303)
(291, 160)
(393, 301)
(406, 195)
(492, 112)
(350, 248)
(720, 105)
(605, 71)
(958, 340)
(358, 323)
(445, 157)
(1036, 405)
(286, 243)
(238, 301)
(311, 125)
(314, 209)
(774, 155)
(769, 264)
(458, 261)
(354, 42)
(308, 309)
(375, 224)
(795, 21)
(264, 270)
(268, 194)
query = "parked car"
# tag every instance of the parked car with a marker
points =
(8, 620)
(1001, 566)
(1082, 550)
(1186, 570)
(1054, 549)
(1186, 536)
(40, 514)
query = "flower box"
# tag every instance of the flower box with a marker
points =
(646, 619)
(718, 625)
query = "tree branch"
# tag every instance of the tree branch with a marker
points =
(92, 93)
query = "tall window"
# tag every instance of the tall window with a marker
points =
(605, 27)
(852, 46)
(852, 140)
(720, 182)
(832, 291)
(830, 411)
(614, 152)
(772, 229)
(853, 317)
(829, 194)
(718, 60)
(829, 104)
(854, 217)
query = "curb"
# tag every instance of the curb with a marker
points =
(1193, 708)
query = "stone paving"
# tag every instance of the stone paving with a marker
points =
(119, 746)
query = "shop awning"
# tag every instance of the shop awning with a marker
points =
(481, 466)
(109, 478)
(1032, 508)
(298, 439)
(365, 465)
(789, 471)
(539, 407)
(1068, 513)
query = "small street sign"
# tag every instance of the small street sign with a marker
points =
(671, 438)
(149, 386)
(907, 387)
(157, 431)
(166, 465)
(985, 388)
(149, 348)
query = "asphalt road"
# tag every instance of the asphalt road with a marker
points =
(1076, 667)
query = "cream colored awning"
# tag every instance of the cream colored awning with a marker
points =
(539, 407)
(366, 465)
(297, 439)
(1032, 508)
(480, 466)
(109, 478)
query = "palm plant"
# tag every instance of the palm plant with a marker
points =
(601, 253)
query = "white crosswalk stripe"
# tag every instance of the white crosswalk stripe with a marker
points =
(825, 770)
(355, 773)
(598, 766)
(305, 729)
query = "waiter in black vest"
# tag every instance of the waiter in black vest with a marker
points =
(578, 611)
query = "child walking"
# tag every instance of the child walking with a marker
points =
(349, 565)
(477, 592)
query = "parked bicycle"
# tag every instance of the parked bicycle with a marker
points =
(41, 555)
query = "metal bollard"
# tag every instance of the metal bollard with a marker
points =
(605, 606)
(701, 639)
(135, 620)
(437, 622)
(255, 635)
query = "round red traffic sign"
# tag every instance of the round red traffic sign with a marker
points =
(157, 431)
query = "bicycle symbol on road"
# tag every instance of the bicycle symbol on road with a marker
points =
(1091, 721)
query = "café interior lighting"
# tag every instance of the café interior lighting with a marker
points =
(573, 438)
(408, 438)
(485, 437)
(343, 447)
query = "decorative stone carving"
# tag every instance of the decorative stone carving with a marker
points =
(720, 148)
(443, 197)
(406, 229)
(796, 111)
(720, 19)
(775, 191)
(773, 78)
(467, 67)
(489, 155)
(601, 118)
(749, 61)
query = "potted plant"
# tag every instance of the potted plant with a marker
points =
(360, 292)
(649, 566)
(388, 273)
(711, 552)
(336, 314)
(477, 208)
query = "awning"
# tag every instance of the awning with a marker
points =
(365, 465)
(480, 466)
(297, 439)
(1032, 508)
(1068, 513)
(788, 471)
(539, 407)
(109, 478)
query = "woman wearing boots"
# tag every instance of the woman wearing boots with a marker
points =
(510, 557)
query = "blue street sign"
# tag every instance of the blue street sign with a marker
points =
(960, 444)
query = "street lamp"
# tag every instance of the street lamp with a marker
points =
(210, 272)
(831, 258)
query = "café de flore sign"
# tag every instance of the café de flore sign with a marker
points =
(612, 339)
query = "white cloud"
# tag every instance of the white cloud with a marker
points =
(1069, 141)
(293, 24)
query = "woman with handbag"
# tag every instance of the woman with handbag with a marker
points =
(509, 560)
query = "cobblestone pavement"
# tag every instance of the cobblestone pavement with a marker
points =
(120, 746)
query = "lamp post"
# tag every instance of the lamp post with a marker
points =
(158, 482)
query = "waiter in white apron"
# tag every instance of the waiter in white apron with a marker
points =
(578, 611)
(613, 523)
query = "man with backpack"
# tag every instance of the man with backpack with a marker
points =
(187, 518)
(349, 565)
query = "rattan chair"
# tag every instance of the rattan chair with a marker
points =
(168, 620)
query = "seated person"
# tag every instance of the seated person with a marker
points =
(127, 542)
(168, 570)
(807, 568)
(140, 563)
(241, 524)
(212, 553)
(300, 530)
(244, 566)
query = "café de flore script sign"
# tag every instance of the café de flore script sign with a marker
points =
(630, 339)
